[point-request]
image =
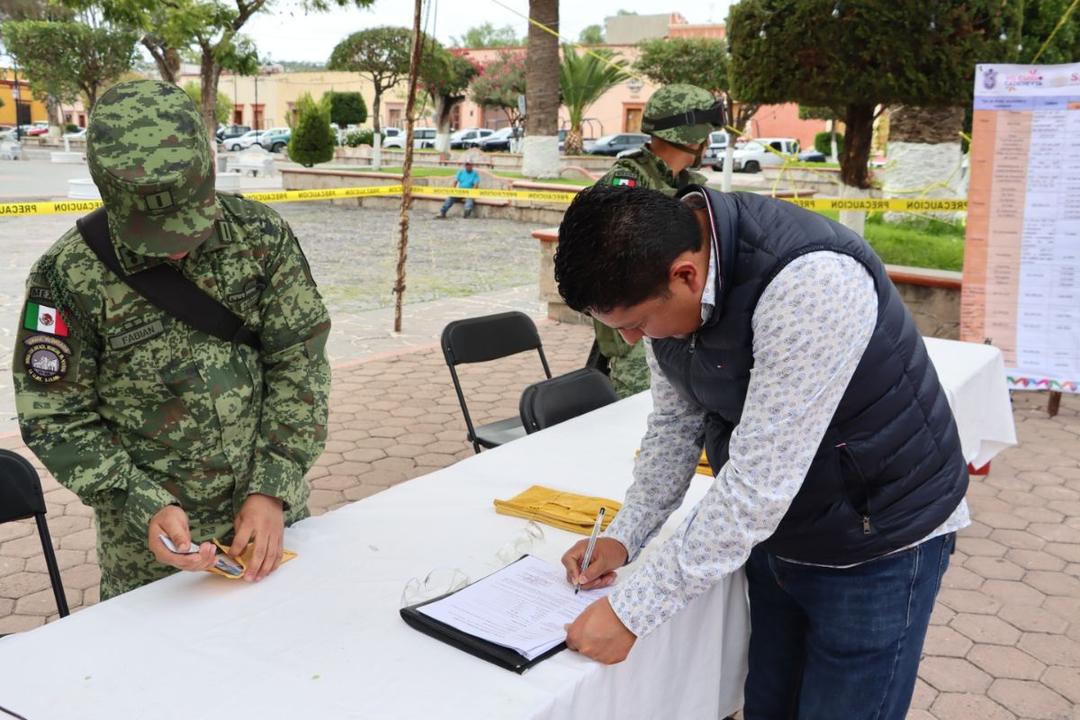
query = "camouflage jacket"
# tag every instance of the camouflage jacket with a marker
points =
(637, 168)
(134, 410)
(641, 168)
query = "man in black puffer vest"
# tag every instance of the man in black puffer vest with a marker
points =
(778, 343)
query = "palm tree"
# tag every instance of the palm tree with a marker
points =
(584, 78)
(540, 150)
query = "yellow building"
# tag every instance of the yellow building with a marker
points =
(30, 109)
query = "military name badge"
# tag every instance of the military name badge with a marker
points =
(623, 181)
(46, 358)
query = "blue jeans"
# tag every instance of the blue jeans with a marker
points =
(469, 204)
(845, 644)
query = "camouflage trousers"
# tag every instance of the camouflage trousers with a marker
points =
(124, 555)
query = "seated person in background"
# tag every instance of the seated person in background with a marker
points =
(466, 179)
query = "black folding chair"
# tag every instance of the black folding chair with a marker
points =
(550, 402)
(20, 498)
(483, 339)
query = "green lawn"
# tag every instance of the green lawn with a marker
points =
(934, 244)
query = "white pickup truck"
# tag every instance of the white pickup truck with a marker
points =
(758, 153)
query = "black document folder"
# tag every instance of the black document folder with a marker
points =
(500, 655)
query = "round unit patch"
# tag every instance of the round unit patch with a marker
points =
(46, 362)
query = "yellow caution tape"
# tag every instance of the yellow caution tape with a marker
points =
(893, 204)
(19, 209)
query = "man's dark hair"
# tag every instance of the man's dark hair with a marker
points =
(616, 245)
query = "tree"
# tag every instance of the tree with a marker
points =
(381, 55)
(211, 28)
(488, 36)
(65, 58)
(583, 80)
(346, 108)
(312, 140)
(500, 83)
(540, 152)
(855, 57)
(698, 61)
(591, 35)
(222, 109)
(445, 76)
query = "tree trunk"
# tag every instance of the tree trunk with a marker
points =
(859, 120)
(166, 59)
(925, 158)
(209, 72)
(541, 146)
(573, 144)
(376, 140)
(406, 166)
(930, 125)
(443, 106)
(56, 117)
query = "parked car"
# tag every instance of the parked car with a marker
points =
(243, 142)
(35, 129)
(498, 141)
(275, 139)
(615, 144)
(812, 156)
(714, 153)
(468, 137)
(393, 138)
(79, 134)
(423, 137)
(757, 154)
(227, 132)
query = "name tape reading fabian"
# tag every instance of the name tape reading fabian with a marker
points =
(20, 209)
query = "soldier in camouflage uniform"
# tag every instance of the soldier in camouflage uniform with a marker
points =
(666, 164)
(159, 427)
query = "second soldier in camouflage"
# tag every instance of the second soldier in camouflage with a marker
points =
(666, 164)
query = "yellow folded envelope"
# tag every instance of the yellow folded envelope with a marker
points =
(564, 510)
(703, 466)
(242, 561)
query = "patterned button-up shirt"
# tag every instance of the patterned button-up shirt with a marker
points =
(811, 327)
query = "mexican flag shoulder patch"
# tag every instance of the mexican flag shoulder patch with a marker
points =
(42, 318)
(623, 181)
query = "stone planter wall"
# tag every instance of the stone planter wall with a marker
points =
(595, 164)
(528, 211)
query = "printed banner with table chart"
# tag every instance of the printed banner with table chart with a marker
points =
(1021, 288)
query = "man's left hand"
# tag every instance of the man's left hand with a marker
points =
(598, 633)
(261, 520)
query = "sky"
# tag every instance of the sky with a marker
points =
(286, 33)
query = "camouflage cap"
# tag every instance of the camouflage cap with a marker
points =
(149, 155)
(672, 99)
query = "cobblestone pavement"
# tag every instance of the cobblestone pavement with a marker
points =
(455, 268)
(1005, 638)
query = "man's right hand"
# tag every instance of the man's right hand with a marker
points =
(173, 522)
(608, 555)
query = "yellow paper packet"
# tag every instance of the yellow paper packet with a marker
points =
(564, 510)
(242, 561)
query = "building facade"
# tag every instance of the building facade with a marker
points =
(19, 106)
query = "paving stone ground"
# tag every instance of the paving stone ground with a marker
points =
(1005, 635)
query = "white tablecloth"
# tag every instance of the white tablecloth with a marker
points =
(322, 638)
(973, 376)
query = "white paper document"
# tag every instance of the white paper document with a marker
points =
(525, 607)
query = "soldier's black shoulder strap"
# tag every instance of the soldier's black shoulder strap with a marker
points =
(164, 287)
